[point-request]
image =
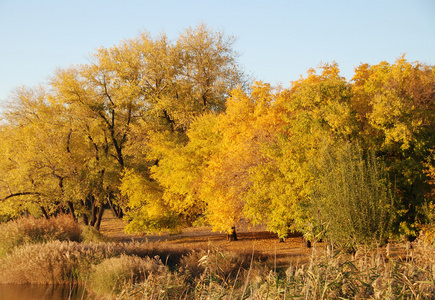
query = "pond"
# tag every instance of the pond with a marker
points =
(41, 292)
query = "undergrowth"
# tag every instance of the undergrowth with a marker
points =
(160, 270)
(58, 262)
(369, 275)
(32, 230)
(144, 271)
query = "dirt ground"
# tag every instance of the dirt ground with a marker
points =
(250, 240)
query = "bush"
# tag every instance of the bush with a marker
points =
(353, 197)
(91, 234)
(33, 230)
(113, 274)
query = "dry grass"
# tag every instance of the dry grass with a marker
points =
(200, 264)
(112, 275)
(219, 269)
(59, 262)
(32, 230)
(367, 275)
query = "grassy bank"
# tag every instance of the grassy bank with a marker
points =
(163, 270)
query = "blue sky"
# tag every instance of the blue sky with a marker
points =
(277, 40)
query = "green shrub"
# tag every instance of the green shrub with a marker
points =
(353, 197)
(91, 234)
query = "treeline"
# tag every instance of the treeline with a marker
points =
(170, 134)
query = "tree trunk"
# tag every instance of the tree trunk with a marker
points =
(71, 210)
(93, 211)
(307, 243)
(116, 209)
(232, 236)
(85, 219)
(87, 215)
(99, 217)
(44, 212)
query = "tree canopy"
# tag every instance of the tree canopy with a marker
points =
(169, 134)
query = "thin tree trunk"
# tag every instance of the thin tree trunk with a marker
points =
(85, 219)
(71, 210)
(116, 209)
(232, 236)
(93, 211)
(307, 243)
(99, 217)
(44, 212)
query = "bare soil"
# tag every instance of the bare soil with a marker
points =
(251, 239)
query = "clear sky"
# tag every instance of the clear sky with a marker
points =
(277, 40)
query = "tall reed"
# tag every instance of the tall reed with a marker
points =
(367, 275)
(37, 230)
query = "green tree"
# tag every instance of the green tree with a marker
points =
(396, 112)
(353, 196)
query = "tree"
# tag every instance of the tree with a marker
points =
(170, 198)
(246, 124)
(167, 133)
(397, 113)
(38, 151)
(195, 76)
(96, 124)
(353, 196)
(105, 108)
(315, 110)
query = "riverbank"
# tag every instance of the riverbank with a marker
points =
(201, 264)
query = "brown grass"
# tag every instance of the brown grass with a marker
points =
(32, 230)
(202, 264)
(365, 275)
(113, 274)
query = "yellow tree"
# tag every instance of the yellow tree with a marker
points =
(39, 151)
(108, 97)
(244, 126)
(86, 92)
(170, 198)
(117, 117)
(314, 111)
(196, 74)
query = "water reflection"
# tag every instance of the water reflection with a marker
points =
(41, 292)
